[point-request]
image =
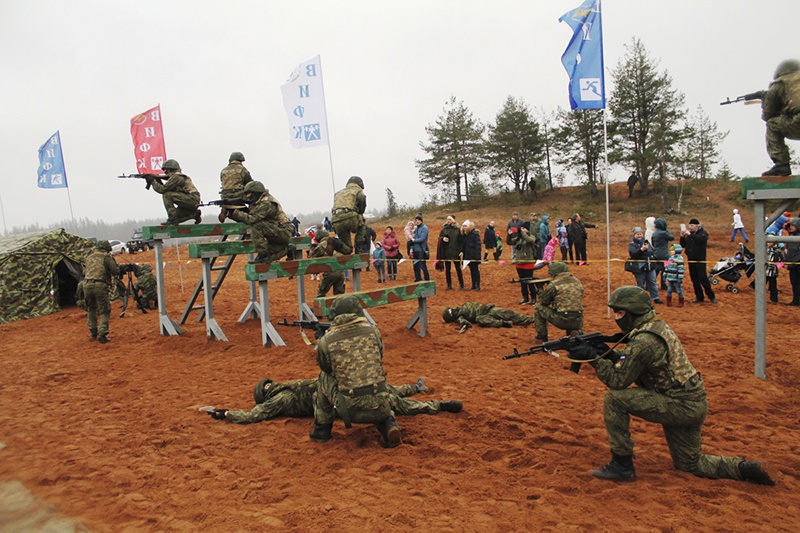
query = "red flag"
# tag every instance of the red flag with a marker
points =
(148, 141)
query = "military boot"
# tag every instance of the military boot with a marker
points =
(321, 433)
(759, 473)
(263, 257)
(292, 250)
(102, 339)
(198, 217)
(92, 335)
(779, 170)
(451, 406)
(620, 468)
(390, 433)
(541, 337)
(421, 385)
(507, 324)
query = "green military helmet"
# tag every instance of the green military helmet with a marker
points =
(557, 267)
(357, 180)
(321, 235)
(170, 164)
(344, 305)
(236, 156)
(786, 67)
(258, 392)
(632, 299)
(253, 191)
(450, 314)
(146, 268)
(103, 245)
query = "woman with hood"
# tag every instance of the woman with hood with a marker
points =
(738, 226)
(563, 239)
(649, 228)
(640, 264)
(471, 251)
(544, 233)
(660, 241)
(391, 245)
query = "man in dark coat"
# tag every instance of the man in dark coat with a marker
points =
(695, 243)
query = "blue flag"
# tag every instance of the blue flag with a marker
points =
(583, 57)
(51, 164)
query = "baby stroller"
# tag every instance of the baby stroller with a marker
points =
(730, 269)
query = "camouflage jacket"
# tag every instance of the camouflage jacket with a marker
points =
(177, 183)
(352, 352)
(233, 179)
(347, 200)
(146, 282)
(266, 208)
(564, 293)
(291, 398)
(653, 358)
(469, 312)
(525, 248)
(783, 97)
(100, 266)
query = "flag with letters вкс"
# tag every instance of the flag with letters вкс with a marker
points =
(51, 164)
(304, 101)
(583, 57)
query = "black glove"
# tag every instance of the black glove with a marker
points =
(582, 351)
(615, 338)
(218, 414)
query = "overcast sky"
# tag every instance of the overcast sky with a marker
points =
(216, 68)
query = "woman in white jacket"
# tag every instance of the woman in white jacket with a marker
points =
(738, 226)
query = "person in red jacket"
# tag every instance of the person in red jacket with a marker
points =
(391, 245)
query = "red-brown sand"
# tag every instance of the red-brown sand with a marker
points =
(111, 436)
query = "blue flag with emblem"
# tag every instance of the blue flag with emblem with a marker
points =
(583, 57)
(51, 164)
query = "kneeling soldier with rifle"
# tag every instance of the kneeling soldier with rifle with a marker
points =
(181, 197)
(669, 392)
(270, 228)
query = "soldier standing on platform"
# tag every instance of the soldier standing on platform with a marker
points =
(233, 179)
(349, 205)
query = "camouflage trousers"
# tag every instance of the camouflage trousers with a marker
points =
(498, 315)
(331, 279)
(180, 206)
(97, 302)
(271, 238)
(347, 224)
(681, 414)
(779, 129)
(368, 409)
(568, 323)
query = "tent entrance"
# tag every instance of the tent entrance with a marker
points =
(67, 275)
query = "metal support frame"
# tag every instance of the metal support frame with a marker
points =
(269, 335)
(760, 197)
(167, 326)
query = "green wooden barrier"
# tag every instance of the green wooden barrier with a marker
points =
(192, 230)
(209, 249)
(285, 269)
(769, 182)
(384, 296)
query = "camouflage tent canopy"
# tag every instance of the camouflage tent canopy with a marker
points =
(39, 273)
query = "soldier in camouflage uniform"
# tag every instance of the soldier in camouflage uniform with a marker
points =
(780, 109)
(296, 399)
(350, 357)
(269, 226)
(560, 304)
(147, 285)
(233, 179)
(669, 392)
(485, 315)
(181, 198)
(329, 246)
(98, 272)
(349, 205)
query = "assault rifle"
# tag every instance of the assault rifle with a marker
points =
(230, 203)
(750, 98)
(148, 177)
(319, 327)
(596, 340)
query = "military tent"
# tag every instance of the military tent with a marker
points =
(39, 273)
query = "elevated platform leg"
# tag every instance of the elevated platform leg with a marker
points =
(252, 310)
(212, 327)
(420, 316)
(269, 335)
(167, 326)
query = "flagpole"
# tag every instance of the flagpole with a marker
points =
(327, 123)
(3, 212)
(66, 181)
(608, 218)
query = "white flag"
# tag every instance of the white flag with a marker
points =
(304, 100)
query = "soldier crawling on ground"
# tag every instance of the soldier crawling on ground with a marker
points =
(295, 398)
(485, 315)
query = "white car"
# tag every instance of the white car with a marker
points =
(118, 247)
